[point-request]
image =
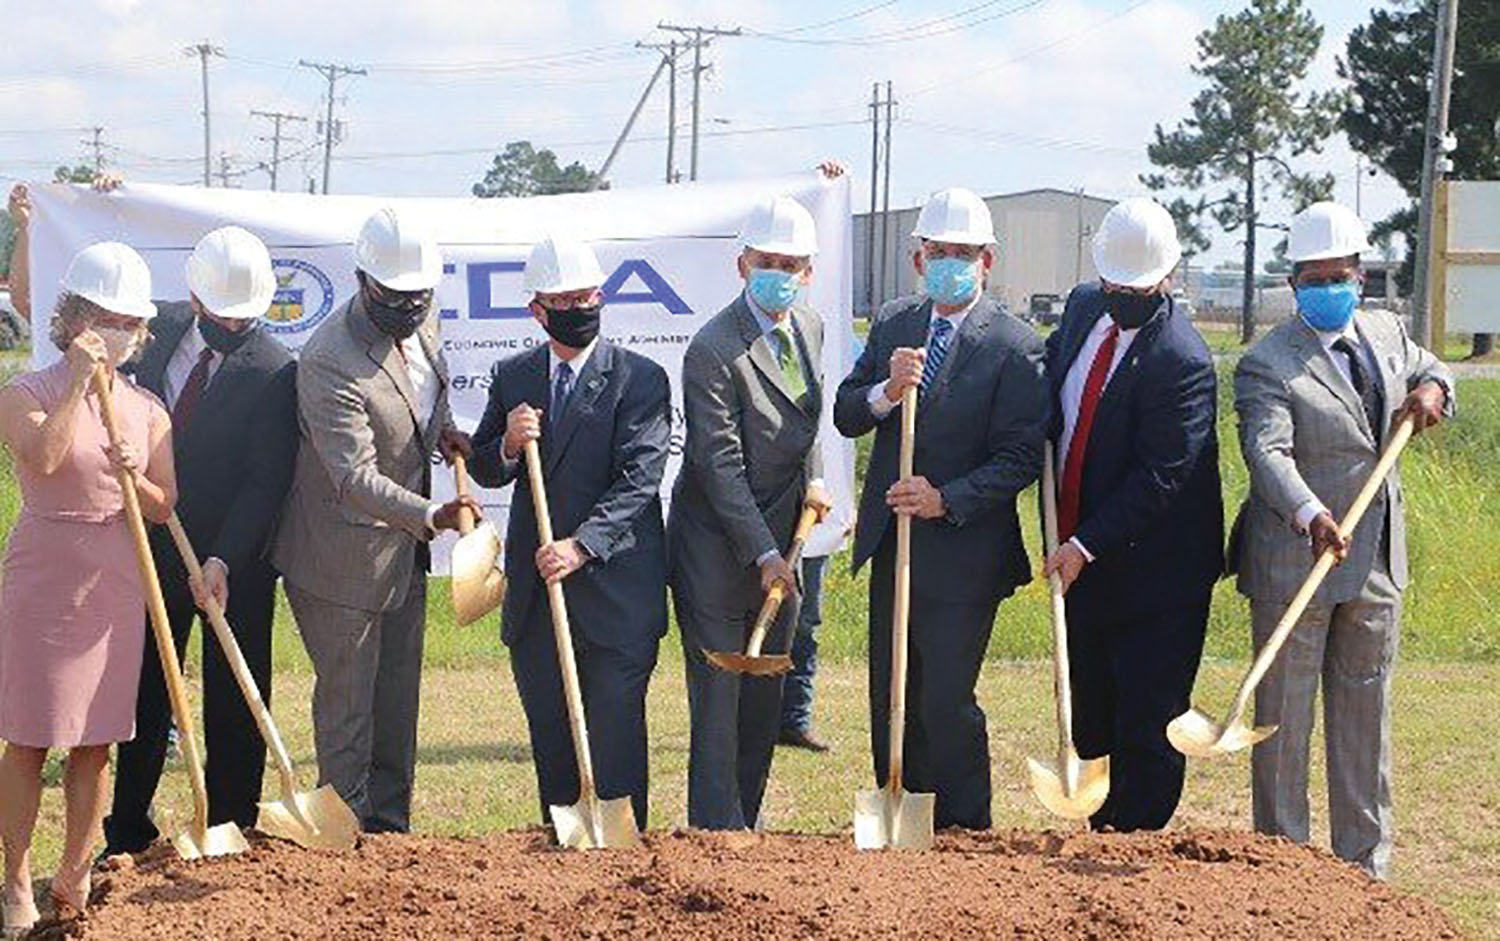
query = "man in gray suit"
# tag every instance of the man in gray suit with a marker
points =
(1318, 398)
(752, 393)
(372, 396)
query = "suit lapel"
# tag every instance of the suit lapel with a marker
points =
(1320, 366)
(970, 337)
(1387, 367)
(762, 356)
(586, 391)
(153, 371)
(383, 353)
(1073, 345)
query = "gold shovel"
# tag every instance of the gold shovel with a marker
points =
(591, 823)
(478, 583)
(1195, 733)
(889, 817)
(752, 661)
(1068, 786)
(319, 820)
(199, 839)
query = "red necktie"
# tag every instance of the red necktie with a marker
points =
(192, 390)
(1072, 481)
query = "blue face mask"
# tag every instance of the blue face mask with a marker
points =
(1327, 307)
(773, 290)
(951, 281)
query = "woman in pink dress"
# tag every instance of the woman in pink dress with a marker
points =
(72, 606)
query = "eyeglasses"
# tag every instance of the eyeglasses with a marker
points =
(397, 300)
(571, 301)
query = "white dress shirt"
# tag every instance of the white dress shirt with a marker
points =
(182, 361)
(576, 364)
(1073, 385)
(880, 406)
(1309, 510)
(424, 380)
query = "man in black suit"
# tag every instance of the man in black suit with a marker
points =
(981, 420)
(231, 389)
(1140, 515)
(602, 418)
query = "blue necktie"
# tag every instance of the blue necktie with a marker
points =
(562, 387)
(937, 351)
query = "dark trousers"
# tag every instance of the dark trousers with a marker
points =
(236, 755)
(1132, 674)
(946, 747)
(613, 684)
(797, 694)
(735, 719)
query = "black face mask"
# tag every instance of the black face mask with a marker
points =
(1132, 310)
(222, 340)
(398, 323)
(575, 328)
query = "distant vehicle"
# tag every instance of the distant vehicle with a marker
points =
(1045, 309)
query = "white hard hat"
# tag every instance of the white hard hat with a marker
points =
(394, 249)
(114, 276)
(229, 271)
(1136, 245)
(558, 264)
(956, 215)
(780, 226)
(1326, 230)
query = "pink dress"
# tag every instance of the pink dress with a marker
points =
(72, 611)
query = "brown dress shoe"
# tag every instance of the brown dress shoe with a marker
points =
(801, 738)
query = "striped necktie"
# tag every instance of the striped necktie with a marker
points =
(937, 351)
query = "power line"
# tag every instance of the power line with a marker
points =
(698, 33)
(203, 50)
(332, 72)
(857, 14)
(939, 26)
(97, 143)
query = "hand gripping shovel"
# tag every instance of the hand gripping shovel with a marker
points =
(478, 583)
(752, 661)
(1195, 733)
(889, 817)
(320, 820)
(591, 823)
(199, 839)
(1069, 787)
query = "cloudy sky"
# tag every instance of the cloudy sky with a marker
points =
(997, 96)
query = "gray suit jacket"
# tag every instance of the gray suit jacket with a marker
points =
(1304, 434)
(751, 451)
(357, 512)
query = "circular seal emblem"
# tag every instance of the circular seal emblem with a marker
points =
(304, 296)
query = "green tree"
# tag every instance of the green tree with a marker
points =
(83, 173)
(1250, 119)
(522, 170)
(1389, 64)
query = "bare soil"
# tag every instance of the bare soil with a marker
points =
(1018, 884)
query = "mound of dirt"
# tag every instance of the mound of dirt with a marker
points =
(1182, 884)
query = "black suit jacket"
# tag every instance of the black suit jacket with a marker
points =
(980, 429)
(234, 459)
(603, 464)
(1150, 511)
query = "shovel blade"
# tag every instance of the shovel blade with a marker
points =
(1196, 734)
(1070, 787)
(886, 819)
(478, 583)
(763, 665)
(596, 824)
(226, 839)
(320, 820)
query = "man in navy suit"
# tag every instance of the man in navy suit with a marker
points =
(602, 419)
(1140, 514)
(981, 421)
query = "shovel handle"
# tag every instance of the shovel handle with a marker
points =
(236, 658)
(1062, 684)
(461, 485)
(901, 613)
(811, 514)
(562, 632)
(156, 606)
(1320, 570)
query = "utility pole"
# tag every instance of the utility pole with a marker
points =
(885, 200)
(203, 50)
(97, 145)
(600, 177)
(874, 192)
(1434, 165)
(275, 117)
(332, 72)
(698, 33)
(223, 170)
(669, 57)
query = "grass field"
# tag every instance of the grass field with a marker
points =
(475, 772)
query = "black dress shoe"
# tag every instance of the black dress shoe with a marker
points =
(801, 738)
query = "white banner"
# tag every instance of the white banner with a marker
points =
(668, 254)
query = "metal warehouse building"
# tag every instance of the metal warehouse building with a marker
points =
(1044, 248)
